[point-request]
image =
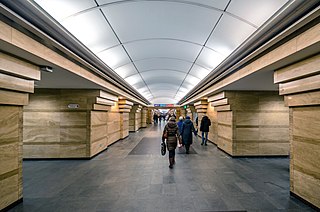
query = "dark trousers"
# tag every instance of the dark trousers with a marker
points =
(172, 153)
(187, 146)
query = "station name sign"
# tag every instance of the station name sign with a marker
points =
(163, 105)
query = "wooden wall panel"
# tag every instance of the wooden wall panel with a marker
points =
(225, 131)
(98, 132)
(213, 129)
(256, 122)
(10, 154)
(13, 98)
(17, 67)
(113, 127)
(52, 130)
(305, 153)
(260, 120)
(299, 83)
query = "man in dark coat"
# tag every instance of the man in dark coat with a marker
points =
(204, 128)
(186, 133)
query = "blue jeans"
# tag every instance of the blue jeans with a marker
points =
(204, 137)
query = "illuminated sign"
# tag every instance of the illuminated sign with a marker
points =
(163, 105)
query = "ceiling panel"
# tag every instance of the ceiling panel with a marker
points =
(253, 11)
(126, 70)
(163, 64)
(162, 48)
(165, 76)
(209, 59)
(218, 4)
(163, 100)
(114, 57)
(153, 44)
(161, 19)
(163, 85)
(199, 71)
(60, 9)
(222, 42)
(94, 32)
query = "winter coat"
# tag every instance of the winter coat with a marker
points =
(172, 133)
(180, 122)
(205, 123)
(187, 131)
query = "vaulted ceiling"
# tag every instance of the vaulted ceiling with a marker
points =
(162, 48)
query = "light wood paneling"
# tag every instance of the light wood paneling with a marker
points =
(51, 129)
(98, 132)
(304, 68)
(15, 83)
(305, 84)
(14, 66)
(302, 82)
(305, 150)
(10, 154)
(13, 98)
(213, 129)
(113, 127)
(303, 99)
(217, 97)
(253, 118)
(220, 102)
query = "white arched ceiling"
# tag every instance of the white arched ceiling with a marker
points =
(163, 48)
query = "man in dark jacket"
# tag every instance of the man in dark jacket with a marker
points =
(186, 133)
(204, 128)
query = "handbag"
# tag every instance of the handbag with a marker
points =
(163, 148)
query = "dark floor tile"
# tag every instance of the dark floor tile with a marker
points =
(131, 175)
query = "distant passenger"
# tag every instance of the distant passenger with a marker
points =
(186, 133)
(171, 133)
(180, 122)
(204, 128)
(155, 118)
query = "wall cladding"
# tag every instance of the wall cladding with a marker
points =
(16, 82)
(69, 124)
(252, 123)
(300, 84)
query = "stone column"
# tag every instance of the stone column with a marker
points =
(299, 83)
(135, 118)
(190, 110)
(124, 109)
(69, 123)
(16, 82)
(251, 123)
(201, 109)
(144, 117)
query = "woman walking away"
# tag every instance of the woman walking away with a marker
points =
(186, 133)
(171, 133)
(204, 128)
(180, 122)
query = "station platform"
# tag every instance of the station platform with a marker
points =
(131, 175)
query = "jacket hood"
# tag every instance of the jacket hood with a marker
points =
(188, 121)
(172, 124)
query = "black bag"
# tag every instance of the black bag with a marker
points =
(163, 148)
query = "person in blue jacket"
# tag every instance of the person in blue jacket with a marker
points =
(187, 133)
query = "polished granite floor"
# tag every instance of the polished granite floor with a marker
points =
(131, 175)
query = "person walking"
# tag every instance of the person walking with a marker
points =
(186, 133)
(171, 133)
(180, 122)
(204, 128)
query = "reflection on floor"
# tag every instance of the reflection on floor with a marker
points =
(141, 181)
